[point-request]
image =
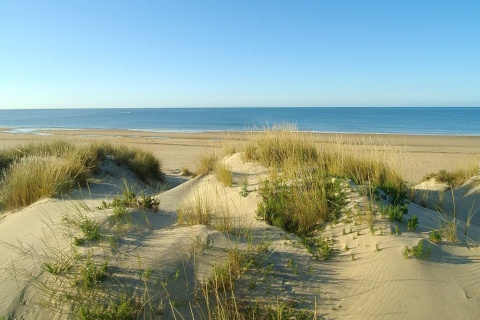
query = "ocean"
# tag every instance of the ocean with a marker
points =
(383, 120)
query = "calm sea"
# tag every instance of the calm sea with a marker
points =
(436, 121)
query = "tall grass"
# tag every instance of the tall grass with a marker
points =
(36, 171)
(206, 163)
(306, 194)
(223, 174)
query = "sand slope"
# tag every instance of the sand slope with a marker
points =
(367, 277)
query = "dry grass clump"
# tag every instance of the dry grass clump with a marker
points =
(223, 174)
(206, 163)
(36, 171)
(455, 178)
(142, 163)
(198, 210)
(281, 145)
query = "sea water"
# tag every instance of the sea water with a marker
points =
(385, 120)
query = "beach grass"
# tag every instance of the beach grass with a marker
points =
(308, 192)
(37, 171)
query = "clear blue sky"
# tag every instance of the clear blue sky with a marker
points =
(81, 54)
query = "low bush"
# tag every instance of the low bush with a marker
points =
(299, 207)
(454, 178)
(417, 251)
(435, 236)
(394, 212)
(412, 223)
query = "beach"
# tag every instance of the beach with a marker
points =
(418, 155)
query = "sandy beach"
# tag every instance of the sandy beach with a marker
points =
(418, 155)
(165, 263)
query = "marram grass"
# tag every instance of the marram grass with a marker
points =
(33, 172)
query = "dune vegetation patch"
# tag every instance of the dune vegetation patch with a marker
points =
(37, 171)
(454, 178)
(308, 192)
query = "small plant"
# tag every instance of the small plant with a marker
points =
(149, 202)
(57, 267)
(435, 236)
(417, 251)
(394, 212)
(125, 308)
(147, 273)
(397, 231)
(244, 190)
(412, 223)
(90, 229)
(91, 273)
(186, 172)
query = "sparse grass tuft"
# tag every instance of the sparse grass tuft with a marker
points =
(206, 163)
(223, 174)
(199, 210)
(455, 178)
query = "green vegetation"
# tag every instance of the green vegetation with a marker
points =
(309, 191)
(454, 178)
(122, 309)
(412, 223)
(417, 251)
(36, 171)
(435, 236)
(394, 212)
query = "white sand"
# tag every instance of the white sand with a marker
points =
(374, 284)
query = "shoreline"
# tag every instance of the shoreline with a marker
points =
(46, 131)
(418, 155)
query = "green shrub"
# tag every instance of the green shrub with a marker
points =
(299, 207)
(435, 236)
(122, 309)
(394, 212)
(417, 251)
(91, 273)
(412, 223)
(90, 229)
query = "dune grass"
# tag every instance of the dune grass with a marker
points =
(306, 193)
(455, 178)
(36, 171)
(223, 174)
(206, 163)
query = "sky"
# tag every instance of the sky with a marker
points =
(101, 54)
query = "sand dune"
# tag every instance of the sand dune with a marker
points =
(366, 278)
